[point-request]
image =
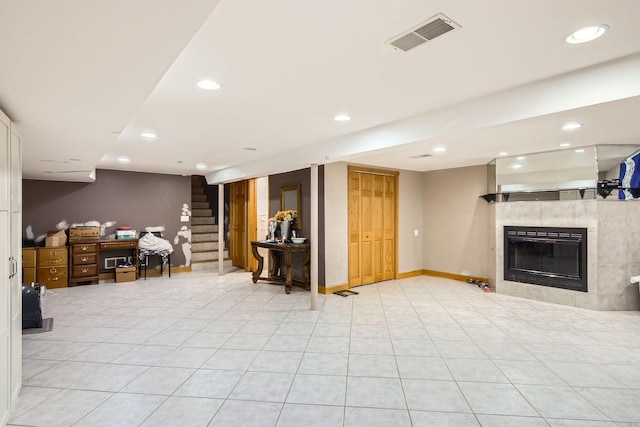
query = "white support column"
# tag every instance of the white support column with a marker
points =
(220, 229)
(314, 237)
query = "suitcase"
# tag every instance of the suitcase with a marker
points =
(31, 311)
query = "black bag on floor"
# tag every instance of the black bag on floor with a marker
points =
(31, 312)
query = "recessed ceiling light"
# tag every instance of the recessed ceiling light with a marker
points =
(209, 85)
(342, 118)
(521, 157)
(580, 150)
(587, 34)
(439, 149)
(565, 144)
(123, 159)
(516, 166)
(201, 166)
(571, 126)
(249, 148)
(149, 136)
(503, 153)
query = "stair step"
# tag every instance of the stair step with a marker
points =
(198, 198)
(210, 265)
(200, 205)
(203, 246)
(206, 256)
(203, 228)
(201, 212)
(203, 237)
(203, 220)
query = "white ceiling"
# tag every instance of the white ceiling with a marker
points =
(82, 80)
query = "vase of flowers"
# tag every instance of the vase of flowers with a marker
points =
(286, 220)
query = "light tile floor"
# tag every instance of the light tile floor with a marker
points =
(201, 350)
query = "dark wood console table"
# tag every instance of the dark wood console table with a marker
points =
(287, 249)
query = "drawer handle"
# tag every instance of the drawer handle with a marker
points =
(84, 259)
(52, 253)
(84, 270)
(53, 270)
(53, 278)
(84, 248)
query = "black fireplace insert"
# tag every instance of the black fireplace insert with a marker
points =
(546, 256)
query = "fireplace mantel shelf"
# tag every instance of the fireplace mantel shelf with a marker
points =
(603, 192)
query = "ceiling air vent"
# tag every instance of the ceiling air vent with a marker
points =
(434, 27)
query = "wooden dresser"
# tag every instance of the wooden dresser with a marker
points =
(52, 266)
(28, 265)
(83, 263)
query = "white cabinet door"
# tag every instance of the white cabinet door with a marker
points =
(15, 284)
(15, 290)
(6, 268)
(10, 266)
(15, 172)
(5, 132)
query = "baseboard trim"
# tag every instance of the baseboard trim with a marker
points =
(152, 272)
(408, 274)
(453, 276)
(331, 289)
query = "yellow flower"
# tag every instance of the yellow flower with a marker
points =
(289, 215)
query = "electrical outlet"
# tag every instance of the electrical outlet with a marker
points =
(184, 218)
(416, 232)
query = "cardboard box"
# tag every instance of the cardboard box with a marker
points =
(55, 238)
(125, 274)
(84, 233)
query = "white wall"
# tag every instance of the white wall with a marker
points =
(262, 205)
(410, 218)
(456, 222)
(262, 202)
(336, 227)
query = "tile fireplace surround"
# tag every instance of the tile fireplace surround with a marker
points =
(613, 249)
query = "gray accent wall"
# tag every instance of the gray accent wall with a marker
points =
(302, 177)
(130, 198)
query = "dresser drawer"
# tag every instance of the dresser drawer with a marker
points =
(52, 256)
(81, 259)
(53, 275)
(83, 248)
(29, 257)
(85, 271)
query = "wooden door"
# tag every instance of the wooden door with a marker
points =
(238, 224)
(372, 226)
(252, 223)
(389, 206)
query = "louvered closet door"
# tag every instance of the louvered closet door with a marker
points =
(389, 228)
(372, 204)
(354, 229)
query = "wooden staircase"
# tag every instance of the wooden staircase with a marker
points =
(205, 237)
